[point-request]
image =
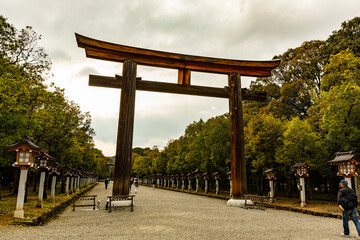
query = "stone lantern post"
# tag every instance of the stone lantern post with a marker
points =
(44, 166)
(271, 176)
(25, 150)
(229, 177)
(67, 175)
(167, 181)
(158, 177)
(172, 180)
(302, 171)
(189, 177)
(177, 181)
(197, 175)
(346, 162)
(183, 177)
(54, 171)
(206, 179)
(217, 177)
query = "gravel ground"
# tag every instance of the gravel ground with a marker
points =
(161, 214)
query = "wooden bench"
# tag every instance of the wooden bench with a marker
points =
(269, 202)
(258, 201)
(121, 198)
(91, 198)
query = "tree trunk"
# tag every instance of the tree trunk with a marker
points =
(289, 181)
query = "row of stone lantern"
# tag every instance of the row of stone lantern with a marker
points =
(25, 158)
(165, 180)
(345, 161)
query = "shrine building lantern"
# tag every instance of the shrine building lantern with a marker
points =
(25, 156)
(44, 165)
(346, 162)
(302, 171)
(25, 152)
(271, 176)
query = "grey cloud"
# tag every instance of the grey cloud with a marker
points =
(85, 71)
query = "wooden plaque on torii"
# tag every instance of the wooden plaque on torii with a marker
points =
(129, 83)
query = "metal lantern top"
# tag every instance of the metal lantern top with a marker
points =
(25, 150)
(55, 169)
(44, 161)
(197, 173)
(206, 176)
(217, 175)
(346, 162)
(302, 169)
(229, 175)
(270, 174)
(68, 172)
(189, 176)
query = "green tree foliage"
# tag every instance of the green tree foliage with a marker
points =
(264, 135)
(28, 106)
(347, 37)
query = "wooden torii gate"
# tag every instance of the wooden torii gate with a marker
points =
(129, 83)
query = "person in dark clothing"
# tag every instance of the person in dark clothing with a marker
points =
(106, 183)
(347, 201)
(154, 183)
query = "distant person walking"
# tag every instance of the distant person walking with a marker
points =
(106, 183)
(154, 183)
(136, 184)
(347, 201)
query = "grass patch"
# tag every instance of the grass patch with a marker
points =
(33, 215)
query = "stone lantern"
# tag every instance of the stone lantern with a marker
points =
(189, 177)
(346, 162)
(68, 174)
(302, 171)
(54, 171)
(25, 150)
(217, 177)
(183, 177)
(166, 177)
(44, 166)
(158, 177)
(229, 177)
(172, 177)
(271, 176)
(206, 179)
(177, 180)
(197, 175)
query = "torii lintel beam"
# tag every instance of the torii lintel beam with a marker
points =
(153, 86)
(118, 53)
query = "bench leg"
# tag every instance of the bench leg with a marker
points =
(132, 204)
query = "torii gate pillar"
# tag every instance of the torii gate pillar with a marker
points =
(238, 165)
(125, 130)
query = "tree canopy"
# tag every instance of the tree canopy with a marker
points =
(29, 106)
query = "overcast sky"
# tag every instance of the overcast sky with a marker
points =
(239, 29)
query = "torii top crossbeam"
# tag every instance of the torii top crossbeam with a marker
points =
(114, 52)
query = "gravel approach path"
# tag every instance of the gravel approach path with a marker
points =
(162, 214)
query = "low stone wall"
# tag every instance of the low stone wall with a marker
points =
(54, 212)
